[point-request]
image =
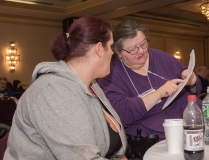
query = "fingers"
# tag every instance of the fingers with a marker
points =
(184, 74)
(177, 80)
(123, 158)
(192, 79)
(169, 88)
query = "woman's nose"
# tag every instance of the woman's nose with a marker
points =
(140, 50)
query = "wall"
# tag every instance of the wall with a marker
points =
(206, 47)
(32, 38)
(184, 44)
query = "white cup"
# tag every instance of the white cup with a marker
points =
(173, 121)
(174, 135)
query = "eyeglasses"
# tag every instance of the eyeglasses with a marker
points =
(135, 50)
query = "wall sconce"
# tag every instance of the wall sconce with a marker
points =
(12, 57)
(178, 56)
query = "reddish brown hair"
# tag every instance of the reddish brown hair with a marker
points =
(83, 33)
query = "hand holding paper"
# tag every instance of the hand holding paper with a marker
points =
(169, 88)
(181, 85)
(192, 80)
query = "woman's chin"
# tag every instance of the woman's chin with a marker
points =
(140, 61)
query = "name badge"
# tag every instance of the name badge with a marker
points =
(148, 92)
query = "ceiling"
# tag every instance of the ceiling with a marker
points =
(159, 15)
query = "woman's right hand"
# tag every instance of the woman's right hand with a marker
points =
(123, 158)
(169, 88)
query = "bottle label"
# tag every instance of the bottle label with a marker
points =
(193, 140)
(205, 110)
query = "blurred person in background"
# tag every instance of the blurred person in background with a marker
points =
(4, 90)
(203, 72)
(17, 86)
(207, 77)
(18, 90)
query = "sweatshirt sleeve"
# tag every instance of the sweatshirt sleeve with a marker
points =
(118, 90)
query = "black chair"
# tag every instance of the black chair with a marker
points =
(17, 94)
(3, 145)
(139, 145)
(7, 109)
(4, 129)
(202, 96)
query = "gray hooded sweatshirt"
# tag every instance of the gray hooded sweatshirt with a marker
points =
(58, 118)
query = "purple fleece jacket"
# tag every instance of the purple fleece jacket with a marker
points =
(131, 109)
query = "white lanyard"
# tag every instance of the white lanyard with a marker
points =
(148, 91)
(156, 75)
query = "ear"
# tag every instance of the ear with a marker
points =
(99, 49)
(119, 54)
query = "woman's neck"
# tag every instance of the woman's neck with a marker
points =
(82, 71)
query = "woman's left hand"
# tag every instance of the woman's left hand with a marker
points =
(192, 80)
(123, 158)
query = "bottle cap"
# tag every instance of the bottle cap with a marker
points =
(192, 97)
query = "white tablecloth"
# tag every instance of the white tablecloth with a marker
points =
(159, 152)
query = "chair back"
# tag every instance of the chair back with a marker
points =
(202, 96)
(4, 129)
(7, 109)
(17, 94)
(3, 145)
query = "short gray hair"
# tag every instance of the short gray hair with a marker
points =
(3, 78)
(127, 29)
(201, 69)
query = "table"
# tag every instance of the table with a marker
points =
(159, 152)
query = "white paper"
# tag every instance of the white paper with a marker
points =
(181, 85)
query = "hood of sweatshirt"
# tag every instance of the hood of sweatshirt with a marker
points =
(60, 69)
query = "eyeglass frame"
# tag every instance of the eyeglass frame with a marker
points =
(146, 40)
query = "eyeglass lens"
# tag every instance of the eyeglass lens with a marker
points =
(136, 49)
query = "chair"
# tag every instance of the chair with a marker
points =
(202, 96)
(4, 129)
(7, 109)
(138, 145)
(17, 94)
(3, 145)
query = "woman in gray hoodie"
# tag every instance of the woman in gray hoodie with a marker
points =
(64, 114)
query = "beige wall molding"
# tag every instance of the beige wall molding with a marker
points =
(34, 21)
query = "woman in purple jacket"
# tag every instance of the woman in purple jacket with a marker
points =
(141, 79)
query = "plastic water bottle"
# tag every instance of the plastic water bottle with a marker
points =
(205, 109)
(193, 131)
